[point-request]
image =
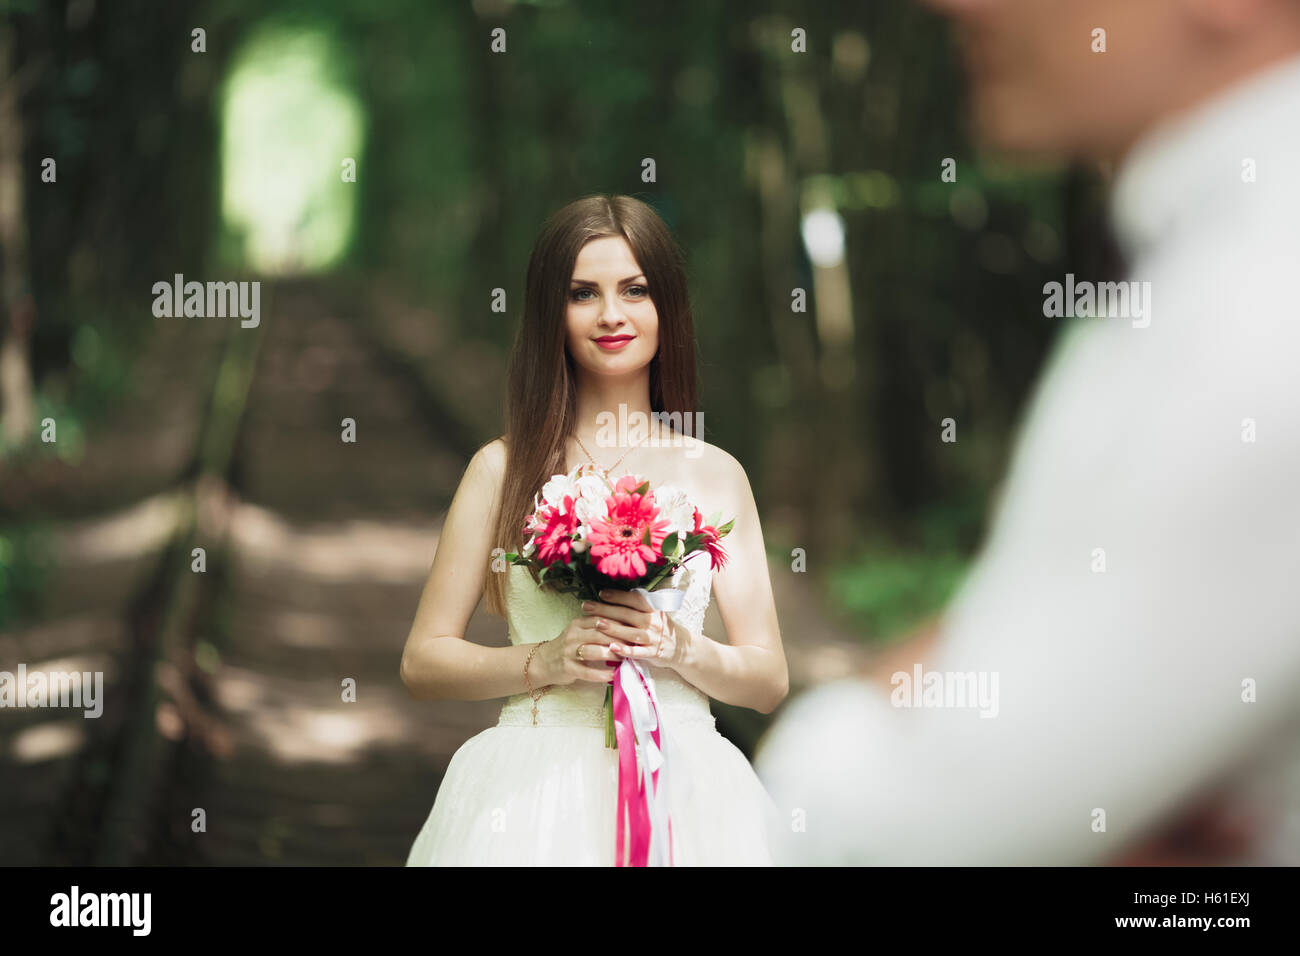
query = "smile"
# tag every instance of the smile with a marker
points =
(612, 343)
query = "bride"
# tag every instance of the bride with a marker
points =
(606, 323)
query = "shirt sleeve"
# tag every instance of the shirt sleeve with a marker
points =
(1132, 619)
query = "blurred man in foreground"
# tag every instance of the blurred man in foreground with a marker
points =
(1127, 646)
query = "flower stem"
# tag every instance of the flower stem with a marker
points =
(610, 738)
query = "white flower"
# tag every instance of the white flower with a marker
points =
(555, 491)
(590, 488)
(590, 504)
(675, 508)
(530, 547)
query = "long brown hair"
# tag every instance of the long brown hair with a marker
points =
(541, 389)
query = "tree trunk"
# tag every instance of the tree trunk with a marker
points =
(16, 402)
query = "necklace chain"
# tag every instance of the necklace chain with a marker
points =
(610, 470)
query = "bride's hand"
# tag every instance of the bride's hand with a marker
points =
(558, 660)
(639, 631)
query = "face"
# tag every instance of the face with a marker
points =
(1037, 85)
(611, 324)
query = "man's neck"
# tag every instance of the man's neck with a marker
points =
(1210, 85)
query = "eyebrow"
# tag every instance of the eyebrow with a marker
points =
(639, 275)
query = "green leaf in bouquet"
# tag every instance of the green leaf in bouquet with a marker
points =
(677, 551)
(658, 577)
(726, 528)
(641, 488)
(588, 581)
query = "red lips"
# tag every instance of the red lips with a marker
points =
(612, 342)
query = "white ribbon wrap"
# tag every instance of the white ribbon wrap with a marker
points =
(647, 715)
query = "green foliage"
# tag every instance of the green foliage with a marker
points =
(97, 379)
(893, 585)
(890, 592)
(25, 565)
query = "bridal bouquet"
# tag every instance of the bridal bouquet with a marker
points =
(588, 534)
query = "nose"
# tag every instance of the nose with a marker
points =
(612, 314)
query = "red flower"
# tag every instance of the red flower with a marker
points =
(555, 533)
(711, 542)
(618, 546)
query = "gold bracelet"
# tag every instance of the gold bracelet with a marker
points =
(528, 681)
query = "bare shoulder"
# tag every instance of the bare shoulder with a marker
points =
(490, 459)
(720, 473)
(485, 474)
(722, 463)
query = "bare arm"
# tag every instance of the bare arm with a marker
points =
(750, 671)
(437, 661)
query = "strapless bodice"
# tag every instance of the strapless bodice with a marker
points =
(538, 614)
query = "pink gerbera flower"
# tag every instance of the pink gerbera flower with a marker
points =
(712, 542)
(618, 544)
(555, 532)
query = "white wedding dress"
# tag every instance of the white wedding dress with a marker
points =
(545, 795)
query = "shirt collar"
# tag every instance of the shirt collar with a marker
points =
(1193, 160)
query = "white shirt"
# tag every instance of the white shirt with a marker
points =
(1120, 692)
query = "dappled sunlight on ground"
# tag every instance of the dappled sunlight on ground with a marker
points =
(48, 741)
(347, 551)
(142, 528)
(296, 724)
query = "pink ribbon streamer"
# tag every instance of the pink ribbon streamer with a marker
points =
(641, 795)
(643, 804)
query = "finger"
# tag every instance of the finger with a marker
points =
(621, 632)
(654, 649)
(597, 672)
(641, 651)
(622, 652)
(629, 599)
(617, 612)
(598, 653)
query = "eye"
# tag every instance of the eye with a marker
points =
(637, 291)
